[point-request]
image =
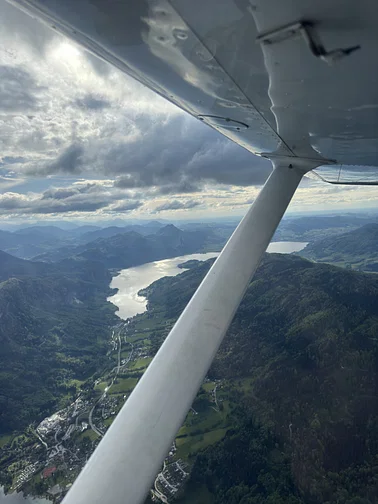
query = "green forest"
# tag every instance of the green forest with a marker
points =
(356, 249)
(297, 418)
(53, 335)
(305, 339)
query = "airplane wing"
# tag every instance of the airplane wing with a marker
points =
(291, 80)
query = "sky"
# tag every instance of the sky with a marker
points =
(81, 140)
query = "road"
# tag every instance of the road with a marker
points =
(39, 437)
(90, 421)
(117, 370)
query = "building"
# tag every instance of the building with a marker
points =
(48, 472)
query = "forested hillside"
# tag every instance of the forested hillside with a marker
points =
(302, 353)
(54, 328)
(357, 249)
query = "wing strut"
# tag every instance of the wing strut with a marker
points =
(124, 465)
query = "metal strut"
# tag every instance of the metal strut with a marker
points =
(124, 465)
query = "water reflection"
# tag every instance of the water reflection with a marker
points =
(130, 281)
(18, 498)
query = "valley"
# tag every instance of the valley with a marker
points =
(64, 440)
(304, 335)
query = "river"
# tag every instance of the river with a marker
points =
(130, 281)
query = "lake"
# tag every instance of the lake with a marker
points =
(18, 498)
(130, 281)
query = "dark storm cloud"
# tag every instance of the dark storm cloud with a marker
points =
(177, 205)
(69, 161)
(177, 154)
(17, 90)
(92, 103)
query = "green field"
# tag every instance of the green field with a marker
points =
(5, 440)
(89, 433)
(109, 421)
(123, 385)
(208, 386)
(190, 445)
(140, 363)
(101, 386)
(139, 336)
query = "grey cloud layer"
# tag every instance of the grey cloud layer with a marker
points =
(177, 205)
(177, 154)
(78, 198)
(18, 90)
(104, 124)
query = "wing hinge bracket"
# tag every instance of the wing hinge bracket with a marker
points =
(307, 30)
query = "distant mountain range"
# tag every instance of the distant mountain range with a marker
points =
(357, 249)
(312, 228)
(52, 243)
(123, 250)
(33, 241)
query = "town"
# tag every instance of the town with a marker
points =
(46, 458)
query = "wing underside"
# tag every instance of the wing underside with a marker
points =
(282, 79)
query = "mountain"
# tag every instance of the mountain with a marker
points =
(51, 243)
(84, 229)
(123, 250)
(11, 266)
(101, 233)
(54, 328)
(301, 359)
(316, 227)
(131, 249)
(357, 249)
(107, 232)
(28, 242)
(44, 232)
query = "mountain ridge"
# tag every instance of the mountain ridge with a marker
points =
(356, 249)
(302, 353)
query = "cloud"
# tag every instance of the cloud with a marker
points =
(23, 30)
(127, 206)
(18, 90)
(90, 102)
(86, 118)
(69, 161)
(177, 205)
(84, 197)
(65, 113)
(178, 154)
(183, 187)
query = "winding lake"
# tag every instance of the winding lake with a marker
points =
(130, 281)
